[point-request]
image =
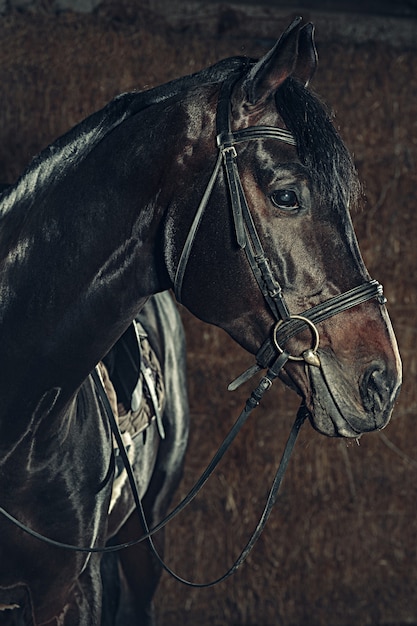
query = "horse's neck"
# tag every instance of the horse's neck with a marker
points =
(86, 259)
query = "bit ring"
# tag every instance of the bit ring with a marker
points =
(314, 332)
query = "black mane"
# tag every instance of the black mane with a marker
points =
(319, 146)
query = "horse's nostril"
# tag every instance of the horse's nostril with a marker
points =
(375, 389)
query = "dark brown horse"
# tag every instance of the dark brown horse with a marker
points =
(230, 186)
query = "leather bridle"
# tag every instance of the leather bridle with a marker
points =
(271, 356)
(247, 238)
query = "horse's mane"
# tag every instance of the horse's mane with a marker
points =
(319, 146)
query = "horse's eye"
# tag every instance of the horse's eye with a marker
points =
(285, 199)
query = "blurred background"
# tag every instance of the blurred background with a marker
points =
(340, 548)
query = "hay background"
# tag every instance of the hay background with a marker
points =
(340, 548)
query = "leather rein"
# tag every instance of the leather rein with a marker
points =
(271, 356)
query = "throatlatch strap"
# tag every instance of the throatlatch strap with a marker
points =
(186, 251)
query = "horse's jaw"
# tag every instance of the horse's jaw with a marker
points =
(349, 407)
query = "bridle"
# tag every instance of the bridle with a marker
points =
(271, 356)
(247, 238)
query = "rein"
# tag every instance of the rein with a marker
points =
(271, 356)
(252, 402)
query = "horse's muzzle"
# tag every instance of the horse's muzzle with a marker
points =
(342, 408)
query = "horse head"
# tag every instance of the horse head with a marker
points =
(272, 241)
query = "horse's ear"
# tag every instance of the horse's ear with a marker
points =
(293, 54)
(307, 55)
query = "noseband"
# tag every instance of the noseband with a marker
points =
(247, 238)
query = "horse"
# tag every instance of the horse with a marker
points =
(230, 187)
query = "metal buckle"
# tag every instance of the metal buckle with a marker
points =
(310, 355)
(230, 149)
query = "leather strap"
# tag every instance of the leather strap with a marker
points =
(252, 402)
(186, 251)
